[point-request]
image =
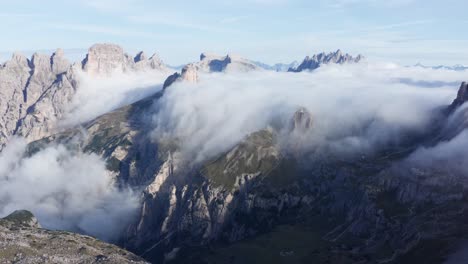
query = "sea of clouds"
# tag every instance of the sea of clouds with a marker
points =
(355, 109)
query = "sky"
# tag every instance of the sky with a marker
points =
(431, 32)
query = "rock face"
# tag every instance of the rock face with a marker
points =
(35, 93)
(462, 97)
(189, 74)
(106, 59)
(23, 241)
(302, 120)
(314, 62)
(28, 86)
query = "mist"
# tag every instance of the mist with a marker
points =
(65, 190)
(97, 95)
(355, 109)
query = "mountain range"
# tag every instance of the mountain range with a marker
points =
(263, 199)
(457, 67)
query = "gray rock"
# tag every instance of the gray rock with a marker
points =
(314, 62)
(23, 241)
(35, 94)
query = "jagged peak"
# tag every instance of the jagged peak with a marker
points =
(301, 120)
(155, 59)
(18, 58)
(462, 97)
(189, 73)
(338, 57)
(58, 53)
(140, 57)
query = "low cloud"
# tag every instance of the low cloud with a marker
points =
(65, 190)
(97, 95)
(355, 108)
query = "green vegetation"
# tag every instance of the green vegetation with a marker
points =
(257, 154)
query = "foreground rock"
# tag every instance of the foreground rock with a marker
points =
(22, 241)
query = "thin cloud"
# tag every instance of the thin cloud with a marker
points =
(97, 29)
(175, 21)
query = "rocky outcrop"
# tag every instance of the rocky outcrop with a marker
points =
(189, 74)
(25, 84)
(23, 218)
(23, 241)
(314, 62)
(107, 59)
(210, 63)
(462, 97)
(302, 120)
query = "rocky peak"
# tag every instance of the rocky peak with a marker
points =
(140, 57)
(189, 74)
(155, 62)
(462, 97)
(17, 59)
(104, 59)
(302, 120)
(40, 62)
(312, 63)
(58, 62)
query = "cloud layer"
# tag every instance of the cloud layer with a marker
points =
(355, 108)
(98, 95)
(65, 190)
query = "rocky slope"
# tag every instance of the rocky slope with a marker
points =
(35, 92)
(23, 241)
(312, 63)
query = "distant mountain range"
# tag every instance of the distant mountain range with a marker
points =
(457, 67)
(279, 67)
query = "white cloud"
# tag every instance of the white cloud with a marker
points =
(97, 95)
(65, 190)
(355, 108)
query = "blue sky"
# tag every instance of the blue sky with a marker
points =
(404, 31)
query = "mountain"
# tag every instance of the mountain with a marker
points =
(457, 67)
(367, 209)
(262, 200)
(312, 63)
(210, 63)
(35, 92)
(278, 67)
(22, 240)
